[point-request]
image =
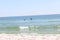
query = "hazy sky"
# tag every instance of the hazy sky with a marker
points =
(29, 7)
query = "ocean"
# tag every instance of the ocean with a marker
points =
(12, 24)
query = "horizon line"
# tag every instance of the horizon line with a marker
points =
(29, 15)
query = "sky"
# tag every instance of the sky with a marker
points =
(29, 7)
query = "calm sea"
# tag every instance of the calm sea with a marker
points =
(28, 21)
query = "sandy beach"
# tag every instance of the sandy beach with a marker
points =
(31, 36)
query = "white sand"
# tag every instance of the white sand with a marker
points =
(32, 36)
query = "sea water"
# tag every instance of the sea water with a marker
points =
(40, 20)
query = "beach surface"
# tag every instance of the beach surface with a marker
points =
(29, 36)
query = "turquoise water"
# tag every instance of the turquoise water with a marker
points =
(26, 20)
(11, 24)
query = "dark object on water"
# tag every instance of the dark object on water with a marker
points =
(24, 19)
(30, 18)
